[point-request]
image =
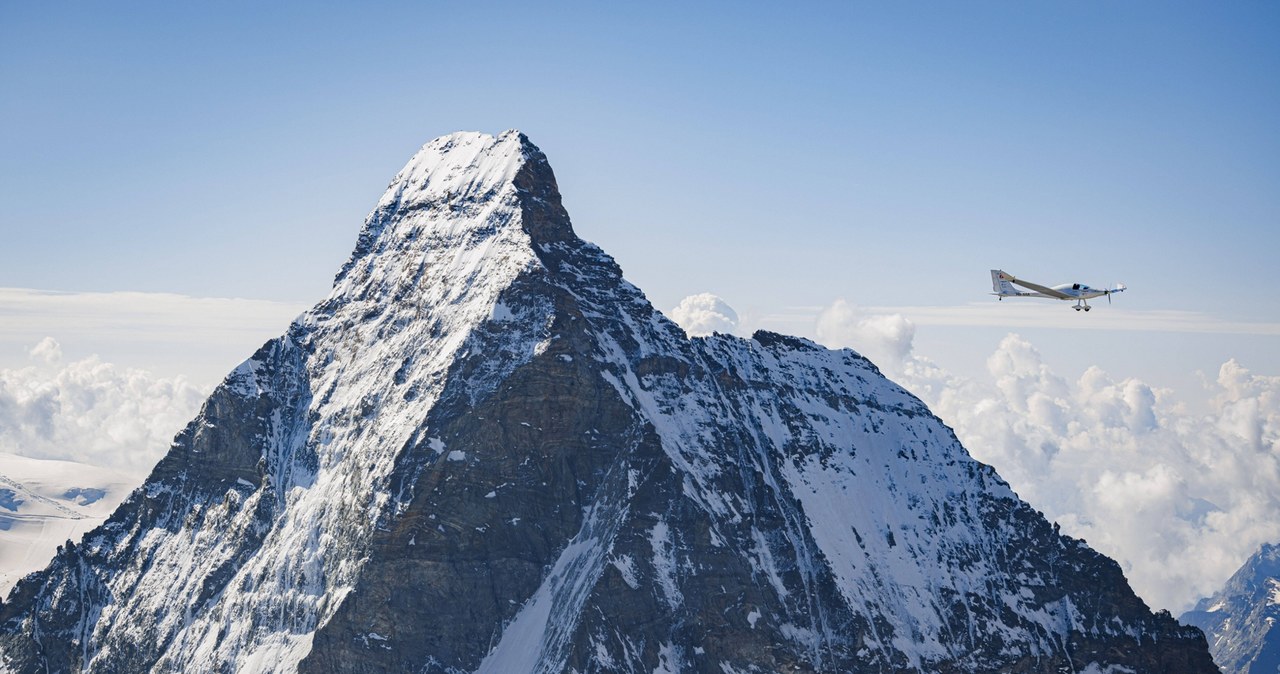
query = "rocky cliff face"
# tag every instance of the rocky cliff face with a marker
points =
(1239, 619)
(486, 451)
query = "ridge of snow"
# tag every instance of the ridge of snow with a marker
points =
(360, 371)
(459, 177)
(458, 166)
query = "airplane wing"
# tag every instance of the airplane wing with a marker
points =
(1041, 289)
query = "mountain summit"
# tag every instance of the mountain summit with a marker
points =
(1239, 620)
(486, 451)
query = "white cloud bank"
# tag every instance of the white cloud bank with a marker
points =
(1179, 499)
(703, 314)
(90, 411)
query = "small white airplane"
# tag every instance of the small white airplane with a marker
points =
(1004, 283)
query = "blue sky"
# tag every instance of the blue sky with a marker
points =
(837, 162)
(885, 153)
(1097, 139)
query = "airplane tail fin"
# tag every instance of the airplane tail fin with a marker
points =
(1000, 283)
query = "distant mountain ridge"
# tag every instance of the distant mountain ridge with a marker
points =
(1239, 620)
(486, 451)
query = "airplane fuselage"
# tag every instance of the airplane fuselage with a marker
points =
(1077, 291)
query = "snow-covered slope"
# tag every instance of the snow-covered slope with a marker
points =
(1239, 620)
(486, 451)
(44, 503)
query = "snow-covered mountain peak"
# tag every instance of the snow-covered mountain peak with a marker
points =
(458, 167)
(461, 197)
(487, 452)
(1239, 619)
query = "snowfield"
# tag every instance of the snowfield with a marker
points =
(44, 503)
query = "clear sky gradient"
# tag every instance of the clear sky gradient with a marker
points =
(783, 156)
(885, 153)
(892, 149)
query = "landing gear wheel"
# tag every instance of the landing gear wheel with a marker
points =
(1087, 307)
(1076, 307)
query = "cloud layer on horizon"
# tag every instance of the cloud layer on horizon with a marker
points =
(1179, 499)
(200, 338)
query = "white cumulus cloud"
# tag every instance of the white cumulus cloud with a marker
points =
(90, 411)
(703, 314)
(884, 338)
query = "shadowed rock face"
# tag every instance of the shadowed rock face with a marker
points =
(486, 451)
(1239, 619)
